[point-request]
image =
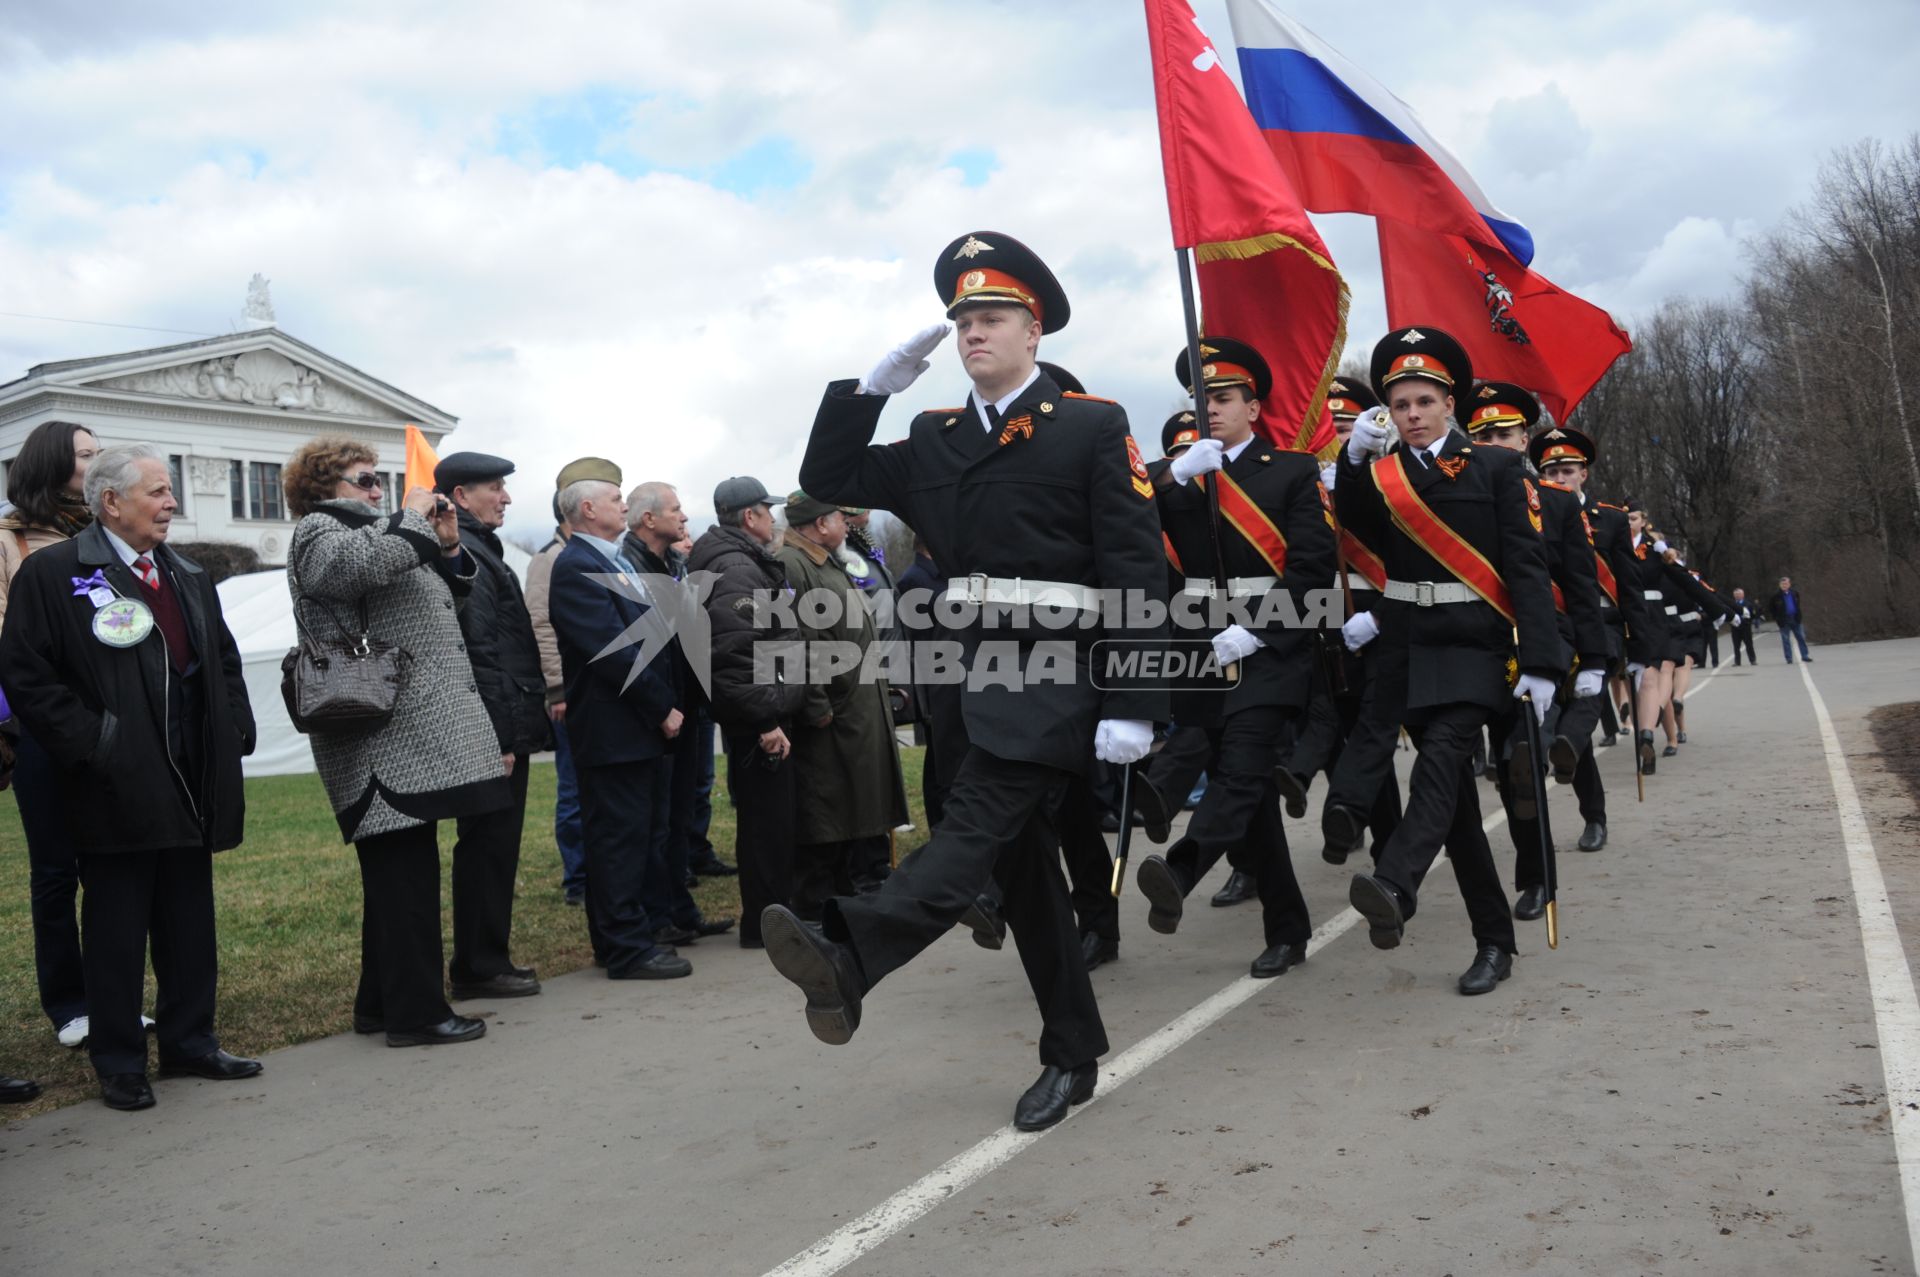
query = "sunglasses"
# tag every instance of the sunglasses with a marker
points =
(366, 480)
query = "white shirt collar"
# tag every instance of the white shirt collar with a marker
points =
(1233, 454)
(126, 552)
(1001, 405)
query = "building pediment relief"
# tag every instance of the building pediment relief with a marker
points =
(256, 378)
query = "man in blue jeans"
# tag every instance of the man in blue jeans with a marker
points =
(1784, 607)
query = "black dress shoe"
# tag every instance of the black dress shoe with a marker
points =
(711, 866)
(983, 918)
(1239, 888)
(706, 928)
(455, 1028)
(1645, 751)
(505, 985)
(525, 973)
(1490, 966)
(1151, 813)
(1530, 904)
(576, 899)
(1344, 832)
(18, 1090)
(1096, 949)
(673, 934)
(1166, 897)
(827, 972)
(1608, 740)
(128, 1092)
(369, 1023)
(1277, 959)
(1683, 738)
(663, 964)
(1563, 756)
(1380, 905)
(1048, 1099)
(1520, 778)
(1594, 837)
(1293, 792)
(1669, 751)
(215, 1066)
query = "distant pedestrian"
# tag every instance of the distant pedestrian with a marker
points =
(1785, 609)
(1745, 617)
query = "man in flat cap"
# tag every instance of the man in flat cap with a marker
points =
(500, 645)
(1039, 501)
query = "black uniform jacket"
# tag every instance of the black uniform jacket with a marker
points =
(1060, 494)
(1570, 562)
(1286, 487)
(101, 711)
(1613, 542)
(1646, 570)
(1458, 652)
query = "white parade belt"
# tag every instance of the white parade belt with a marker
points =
(980, 590)
(1672, 610)
(1238, 587)
(1652, 594)
(1689, 616)
(1357, 583)
(1428, 593)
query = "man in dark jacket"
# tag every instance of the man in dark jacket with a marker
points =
(117, 659)
(498, 633)
(1745, 616)
(655, 520)
(754, 693)
(1784, 607)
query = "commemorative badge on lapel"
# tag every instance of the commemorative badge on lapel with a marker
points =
(94, 587)
(122, 622)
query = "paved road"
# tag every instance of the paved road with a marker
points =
(1693, 1082)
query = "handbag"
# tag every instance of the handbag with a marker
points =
(340, 685)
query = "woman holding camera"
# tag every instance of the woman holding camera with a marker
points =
(351, 568)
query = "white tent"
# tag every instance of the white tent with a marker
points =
(260, 613)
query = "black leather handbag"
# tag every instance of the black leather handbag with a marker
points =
(345, 684)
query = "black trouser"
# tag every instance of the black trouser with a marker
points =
(848, 867)
(1443, 808)
(54, 870)
(1742, 635)
(1362, 778)
(1713, 642)
(486, 864)
(1089, 864)
(1508, 731)
(668, 898)
(400, 981)
(1239, 817)
(996, 826)
(763, 800)
(1321, 728)
(1176, 769)
(1590, 789)
(619, 803)
(132, 899)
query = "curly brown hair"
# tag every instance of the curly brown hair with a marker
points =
(316, 468)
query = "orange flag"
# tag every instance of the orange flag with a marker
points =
(421, 459)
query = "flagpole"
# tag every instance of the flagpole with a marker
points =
(1196, 370)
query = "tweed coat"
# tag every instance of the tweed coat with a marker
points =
(437, 757)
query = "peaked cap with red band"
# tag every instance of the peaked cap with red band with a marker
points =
(1347, 399)
(1227, 362)
(1495, 403)
(1562, 443)
(1181, 431)
(1426, 353)
(987, 268)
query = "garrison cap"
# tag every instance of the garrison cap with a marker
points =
(586, 468)
(457, 468)
(1427, 353)
(985, 267)
(1225, 361)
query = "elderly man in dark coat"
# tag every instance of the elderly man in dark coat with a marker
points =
(117, 659)
(506, 669)
(847, 763)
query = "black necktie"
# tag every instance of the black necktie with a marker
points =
(994, 421)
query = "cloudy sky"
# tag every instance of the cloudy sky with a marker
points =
(654, 231)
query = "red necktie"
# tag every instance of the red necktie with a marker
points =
(144, 567)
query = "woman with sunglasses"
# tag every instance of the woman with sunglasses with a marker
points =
(44, 485)
(397, 575)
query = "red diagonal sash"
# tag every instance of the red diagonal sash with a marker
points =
(1363, 560)
(1607, 582)
(1252, 523)
(1431, 533)
(1173, 556)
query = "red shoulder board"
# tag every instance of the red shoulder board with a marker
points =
(1608, 505)
(926, 411)
(1557, 487)
(1068, 394)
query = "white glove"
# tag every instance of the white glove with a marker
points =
(1203, 456)
(1360, 630)
(1635, 669)
(1541, 689)
(902, 365)
(1328, 473)
(1122, 740)
(1737, 618)
(1234, 643)
(1589, 683)
(1659, 547)
(1371, 430)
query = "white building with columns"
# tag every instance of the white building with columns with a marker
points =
(227, 411)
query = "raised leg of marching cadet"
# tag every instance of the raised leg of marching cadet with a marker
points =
(1240, 811)
(1176, 769)
(1443, 808)
(1089, 873)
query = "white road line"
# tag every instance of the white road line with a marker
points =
(1896, 1011)
(851, 1240)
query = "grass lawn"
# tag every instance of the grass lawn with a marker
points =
(288, 903)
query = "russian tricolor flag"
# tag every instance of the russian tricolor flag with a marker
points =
(1348, 144)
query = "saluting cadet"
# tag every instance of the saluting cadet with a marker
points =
(1564, 457)
(1363, 791)
(1274, 541)
(1500, 416)
(1458, 528)
(1035, 500)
